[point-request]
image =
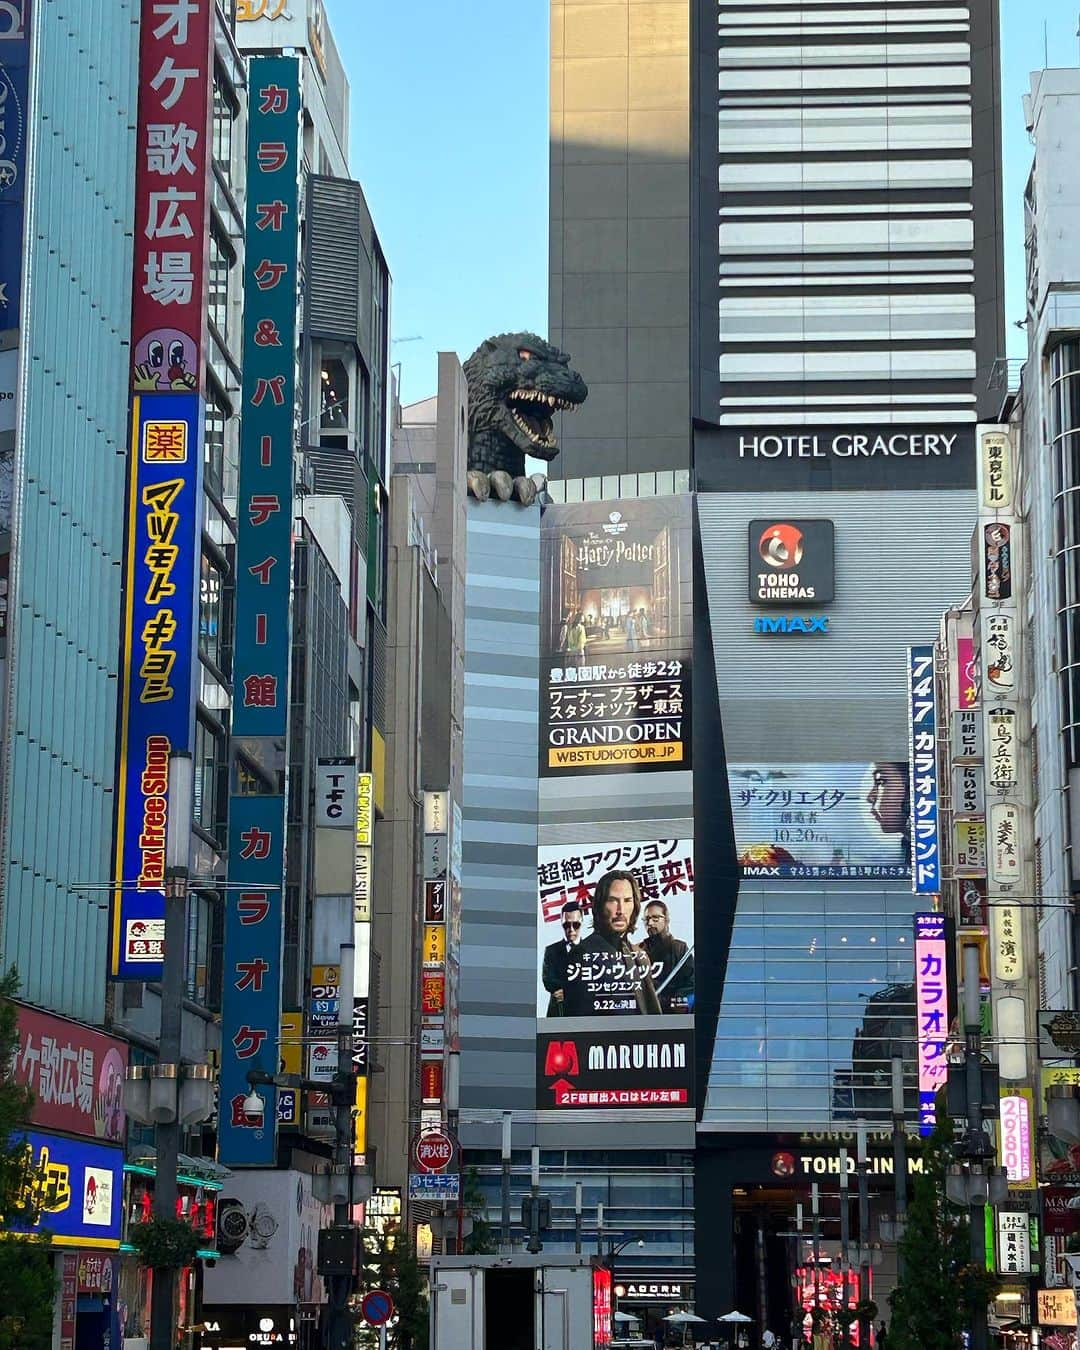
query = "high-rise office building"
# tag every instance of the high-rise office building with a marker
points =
(776, 259)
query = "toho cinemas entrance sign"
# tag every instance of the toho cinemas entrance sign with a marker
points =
(796, 1166)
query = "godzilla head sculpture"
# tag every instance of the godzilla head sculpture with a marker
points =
(517, 383)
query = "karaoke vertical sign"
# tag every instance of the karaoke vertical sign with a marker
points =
(931, 1010)
(254, 926)
(922, 704)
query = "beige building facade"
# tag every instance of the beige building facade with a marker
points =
(620, 230)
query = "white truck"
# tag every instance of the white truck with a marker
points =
(519, 1302)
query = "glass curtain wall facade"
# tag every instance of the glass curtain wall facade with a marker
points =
(818, 995)
(68, 507)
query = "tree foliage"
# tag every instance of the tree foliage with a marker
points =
(391, 1263)
(931, 1307)
(27, 1283)
(481, 1239)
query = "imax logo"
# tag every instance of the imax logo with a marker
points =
(766, 625)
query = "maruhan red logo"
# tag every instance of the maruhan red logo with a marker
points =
(561, 1058)
(781, 546)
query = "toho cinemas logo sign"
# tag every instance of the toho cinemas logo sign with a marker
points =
(791, 561)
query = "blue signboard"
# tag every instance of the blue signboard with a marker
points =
(434, 1185)
(251, 990)
(264, 515)
(922, 703)
(158, 663)
(14, 125)
(251, 1002)
(82, 1188)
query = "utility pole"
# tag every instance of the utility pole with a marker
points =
(899, 1142)
(577, 1218)
(534, 1208)
(167, 1133)
(864, 1234)
(977, 1146)
(339, 1331)
(507, 1144)
(845, 1249)
(815, 1210)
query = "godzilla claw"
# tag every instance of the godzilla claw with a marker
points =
(479, 484)
(525, 491)
(501, 484)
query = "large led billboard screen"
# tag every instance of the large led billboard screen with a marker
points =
(823, 821)
(616, 634)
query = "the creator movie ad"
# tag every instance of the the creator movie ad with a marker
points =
(617, 621)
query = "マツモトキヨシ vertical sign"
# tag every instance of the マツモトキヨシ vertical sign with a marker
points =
(159, 631)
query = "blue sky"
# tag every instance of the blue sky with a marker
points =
(449, 138)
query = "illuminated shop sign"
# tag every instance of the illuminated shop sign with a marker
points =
(807, 822)
(925, 846)
(848, 445)
(791, 562)
(1014, 1242)
(157, 663)
(81, 1190)
(621, 1069)
(1016, 1138)
(615, 930)
(932, 1011)
(75, 1073)
(616, 637)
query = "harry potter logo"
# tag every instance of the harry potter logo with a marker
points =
(606, 553)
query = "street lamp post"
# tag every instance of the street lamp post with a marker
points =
(613, 1252)
(845, 1250)
(864, 1234)
(164, 1084)
(972, 1181)
(337, 1327)
(899, 1143)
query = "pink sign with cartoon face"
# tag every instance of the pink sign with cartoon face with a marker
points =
(165, 359)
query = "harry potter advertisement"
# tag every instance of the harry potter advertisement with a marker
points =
(616, 633)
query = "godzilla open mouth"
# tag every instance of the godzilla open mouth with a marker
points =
(531, 409)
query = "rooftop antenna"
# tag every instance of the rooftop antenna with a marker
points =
(1046, 49)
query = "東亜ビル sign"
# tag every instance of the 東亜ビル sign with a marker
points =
(791, 562)
(925, 845)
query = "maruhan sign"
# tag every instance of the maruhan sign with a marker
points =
(848, 445)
